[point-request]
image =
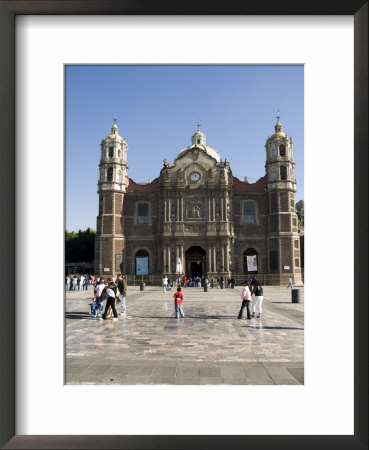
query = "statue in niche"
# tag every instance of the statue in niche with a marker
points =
(228, 211)
(195, 209)
(173, 212)
(217, 211)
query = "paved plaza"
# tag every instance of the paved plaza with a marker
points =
(209, 346)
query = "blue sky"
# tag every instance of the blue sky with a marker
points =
(157, 110)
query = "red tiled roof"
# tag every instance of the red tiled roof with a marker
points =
(137, 187)
(242, 186)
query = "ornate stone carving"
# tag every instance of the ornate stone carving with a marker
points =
(195, 209)
(194, 228)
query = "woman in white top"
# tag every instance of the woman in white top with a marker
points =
(165, 284)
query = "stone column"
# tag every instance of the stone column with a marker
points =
(165, 257)
(165, 210)
(181, 209)
(169, 211)
(177, 209)
(222, 257)
(209, 259)
(227, 258)
(213, 209)
(214, 259)
(182, 259)
(222, 208)
(169, 269)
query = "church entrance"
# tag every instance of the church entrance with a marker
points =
(195, 258)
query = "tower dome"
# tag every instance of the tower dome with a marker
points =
(278, 129)
(199, 137)
(114, 131)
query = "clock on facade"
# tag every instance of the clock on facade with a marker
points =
(195, 176)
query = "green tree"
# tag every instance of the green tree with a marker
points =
(80, 247)
(300, 212)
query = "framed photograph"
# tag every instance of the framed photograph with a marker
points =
(34, 398)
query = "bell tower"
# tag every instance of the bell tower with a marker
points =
(109, 241)
(283, 238)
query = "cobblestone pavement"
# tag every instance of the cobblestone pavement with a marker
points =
(209, 346)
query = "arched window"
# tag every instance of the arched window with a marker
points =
(250, 261)
(110, 174)
(142, 262)
(283, 173)
(111, 152)
(282, 150)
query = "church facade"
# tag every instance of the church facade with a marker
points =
(196, 218)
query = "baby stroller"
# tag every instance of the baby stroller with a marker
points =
(96, 307)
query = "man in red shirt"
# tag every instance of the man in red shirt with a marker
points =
(178, 298)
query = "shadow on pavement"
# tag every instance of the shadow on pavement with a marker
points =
(203, 317)
(284, 303)
(271, 328)
(78, 315)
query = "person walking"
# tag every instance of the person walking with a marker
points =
(122, 292)
(289, 283)
(74, 282)
(110, 301)
(246, 297)
(165, 284)
(98, 291)
(221, 282)
(178, 299)
(258, 298)
(81, 281)
(67, 283)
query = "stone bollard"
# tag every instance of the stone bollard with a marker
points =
(142, 286)
(295, 293)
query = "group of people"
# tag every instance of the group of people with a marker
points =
(251, 287)
(112, 290)
(74, 282)
(196, 281)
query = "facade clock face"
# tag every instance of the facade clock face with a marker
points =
(195, 176)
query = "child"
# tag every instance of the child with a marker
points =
(246, 297)
(110, 301)
(178, 298)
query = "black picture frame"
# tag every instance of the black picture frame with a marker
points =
(8, 11)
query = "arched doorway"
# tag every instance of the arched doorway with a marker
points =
(142, 262)
(250, 261)
(195, 258)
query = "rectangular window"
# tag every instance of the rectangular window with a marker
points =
(249, 213)
(143, 213)
(273, 260)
